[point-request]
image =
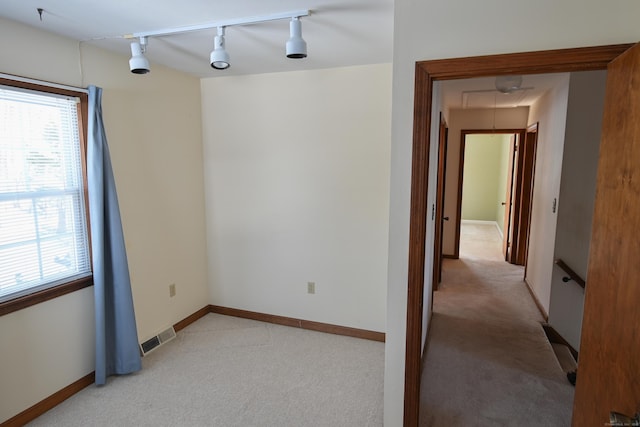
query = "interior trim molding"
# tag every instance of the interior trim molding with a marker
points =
(300, 323)
(192, 318)
(425, 349)
(541, 309)
(44, 295)
(554, 337)
(50, 402)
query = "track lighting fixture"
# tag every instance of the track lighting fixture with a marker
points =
(138, 63)
(219, 55)
(296, 47)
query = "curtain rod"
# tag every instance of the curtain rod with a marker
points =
(43, 83)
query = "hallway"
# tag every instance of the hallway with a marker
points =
(488, 361)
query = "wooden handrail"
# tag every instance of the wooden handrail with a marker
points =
(572, 274)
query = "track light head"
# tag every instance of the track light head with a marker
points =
(219, 56)
(138, 64)
(296, 46)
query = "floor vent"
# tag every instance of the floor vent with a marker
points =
(156, 341)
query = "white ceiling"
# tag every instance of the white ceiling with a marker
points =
(338, 33)
(482, 93)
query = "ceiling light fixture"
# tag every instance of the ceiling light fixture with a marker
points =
(296, 47)
(219, 55)
(138, 63)
(508, 84)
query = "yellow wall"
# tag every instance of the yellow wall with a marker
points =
(153, 124)
(484, 171)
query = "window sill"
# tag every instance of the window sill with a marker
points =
(44, 295)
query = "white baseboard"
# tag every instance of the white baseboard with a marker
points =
(481, 222)
(477, 221)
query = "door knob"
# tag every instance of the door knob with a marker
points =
(446, 218)
(503, 203)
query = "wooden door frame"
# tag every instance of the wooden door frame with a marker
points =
(531, 152)
(439, 206)
(463, 143)
(426, 72)
(508, 198)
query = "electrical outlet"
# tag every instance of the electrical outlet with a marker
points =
(172, 290)
(311, 287)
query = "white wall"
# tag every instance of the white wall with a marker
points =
(444, 29)
(297, 191)
(550, 111)
(577, 195)
(154, 130)
(431, 206)
(459, 119)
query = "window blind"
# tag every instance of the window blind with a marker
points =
(43, 230)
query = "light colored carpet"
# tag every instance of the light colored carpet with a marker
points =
(226, 371)
(488, 361)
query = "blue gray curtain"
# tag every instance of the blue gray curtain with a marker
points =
(116, 335)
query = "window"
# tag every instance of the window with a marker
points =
(44, 243)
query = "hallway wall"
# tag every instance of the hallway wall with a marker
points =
(484, 177)
(576, 200)
(550, 111)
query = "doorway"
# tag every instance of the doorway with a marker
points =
(569, 111)
(427, 72)
(499, 169)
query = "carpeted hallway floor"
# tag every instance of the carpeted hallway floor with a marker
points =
(488, 362)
